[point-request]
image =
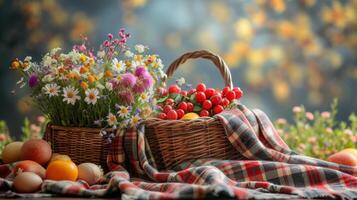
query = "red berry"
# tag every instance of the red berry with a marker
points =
(239, 92)
(180, 113)
(191, 91)
(172, 115)
(200, 97)
(169, 101)
(162, 116)
(183, 106)
(201, 87)
(225, 90)
(189, 107)
(174, 89)
(167, 108)
(204, 113)
(209, 92)
(184, 93)
(216, 99)
(207, 104)
(225, 102)
(231, 95)
(217, 109)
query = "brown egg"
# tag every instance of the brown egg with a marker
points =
(37, 150)
(27, 182)
(12, 152)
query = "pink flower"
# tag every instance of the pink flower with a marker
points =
(126, 96)
(41, 119)
(110, 36)
(297, 109)
(329, 130)
(348, 132)
(144, 83)
(128, 80)
(3, 137)
(281, 121)
(309, 116)
(326, 114)
(312, 140)
(140, 71)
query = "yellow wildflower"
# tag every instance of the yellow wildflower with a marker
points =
(91, 78)
(15, 64)
(84, 85)
(108, 74)
(83, 58)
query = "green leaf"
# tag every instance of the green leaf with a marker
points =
(163, 99)
(178, 98)
(197, 108)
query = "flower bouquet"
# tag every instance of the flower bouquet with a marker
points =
(87, 95)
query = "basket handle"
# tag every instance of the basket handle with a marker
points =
(215, 59)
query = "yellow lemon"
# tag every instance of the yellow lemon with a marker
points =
(189, 116)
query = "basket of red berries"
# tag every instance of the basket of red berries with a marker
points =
(185, 127)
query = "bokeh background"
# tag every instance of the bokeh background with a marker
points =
(281, 53)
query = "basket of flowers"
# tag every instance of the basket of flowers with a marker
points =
(88, 97)
(185, 128)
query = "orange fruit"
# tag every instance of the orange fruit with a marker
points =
(189, 116)
(351, 151)
(343, 158)
(57, 156)
(62, 170)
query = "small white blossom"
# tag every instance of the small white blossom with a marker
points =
(70, 95)
(135, 120)
(100, 54)
(54, 51)
(140, 48)
(180, 81)
(28, 59)
(91, 96)
(128, 54)
(109, 86)
(47, 78)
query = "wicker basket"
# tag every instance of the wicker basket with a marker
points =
(175, 141)
(80, 144)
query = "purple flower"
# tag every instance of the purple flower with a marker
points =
(140, 71)
(128, 80)
(33, 81)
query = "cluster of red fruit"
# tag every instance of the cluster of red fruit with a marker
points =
(202, 100)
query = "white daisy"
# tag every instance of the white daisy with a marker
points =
(118, 66)
(135, 120)
(91, 96)
(70, 95)
(51, 89)
(140, 48)
(111, 119)
(128, 53)
(109, 86)
(124, 111)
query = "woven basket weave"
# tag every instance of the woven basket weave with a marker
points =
(80, 144)
(175, 141)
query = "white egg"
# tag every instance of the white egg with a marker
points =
(89, 172)
(27, 182)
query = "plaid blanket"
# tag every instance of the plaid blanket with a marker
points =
(269, 170)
